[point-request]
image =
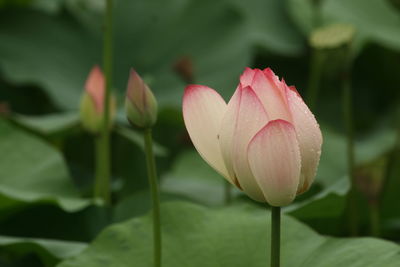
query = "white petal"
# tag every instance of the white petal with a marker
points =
(203, 110)
(226, 133)
(274, 159)
(309, 137)
(250, 119)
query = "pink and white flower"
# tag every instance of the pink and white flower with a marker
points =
(265, 140)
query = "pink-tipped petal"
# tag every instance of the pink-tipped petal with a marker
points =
(203, 110)
(274, 158)
(273, 98)
(226, 133)
(309, 137)
(246, 79)
(251, 118)
(136, 90)
(95, 86)
(279, 85)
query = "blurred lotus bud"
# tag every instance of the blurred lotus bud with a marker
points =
(140, 103)
(370, 179)
(184, 68)
(92, 102)
(4, 109)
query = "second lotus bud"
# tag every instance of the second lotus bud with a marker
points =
(92, 102)
(140, 103)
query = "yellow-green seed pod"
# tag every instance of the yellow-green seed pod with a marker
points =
(332, 36)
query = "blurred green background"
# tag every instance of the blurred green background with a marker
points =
(47, 48)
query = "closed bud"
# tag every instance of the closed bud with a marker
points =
(92, 102)
(370, 179)
(140, 103)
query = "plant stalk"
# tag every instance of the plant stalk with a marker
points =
(317, 13)
(314, 77)
(102, 182)
(391, 160)
(275, 236)
(374, 214)
(152, 176)
(391, 163)
(348, 118)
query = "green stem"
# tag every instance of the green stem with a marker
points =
(152, 175)
(102, 184)
(352, 212)
(374, 218)
(101, 189)
(317, 13)
(227, 192)
(275, 236)
(348, 118)
(391, 162)
(314, 77)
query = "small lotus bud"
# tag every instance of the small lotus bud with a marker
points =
(92, 102)
(140, 103)
(370, 179)
(184, 68)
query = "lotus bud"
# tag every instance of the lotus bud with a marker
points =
(265, 140)
(370, 178)
(92, 102)
(140, 103)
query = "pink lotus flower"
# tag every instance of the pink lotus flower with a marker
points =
(265, 140)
